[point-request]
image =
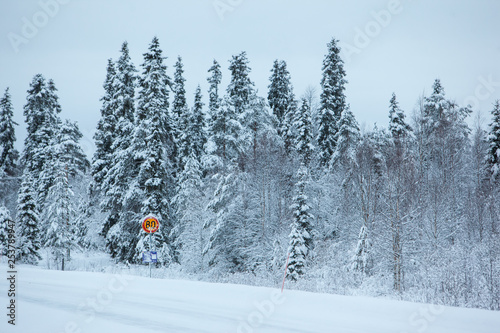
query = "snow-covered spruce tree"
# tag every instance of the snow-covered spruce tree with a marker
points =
(363, 258)
(46, 176)
(69, 150)
(378, 142)
(226, 133)
(117, 178)
(214, 81)
(41, 111)
(4, 234)
(28, 217)
(347, 139)
(179, 105)
(105, 133)
(288, 131)
(240, 89)
(197, 126)
(62, 149)
(397, 125)
(83, 220)
(60, 237)
(344, 167)
(8, 154)
(153, 186)
(433, 123)
(193, 137)
(189, 203)
(301, 240)
(435, 106)
(102, 162)
(304, 140)
(401, 137)
(332, 101)
(45, 135)
(401, 134)
(493, 157)
(125, 88)
(180, 114)
(34, 112)
(280, 94)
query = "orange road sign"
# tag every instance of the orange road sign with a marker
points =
(150, 224)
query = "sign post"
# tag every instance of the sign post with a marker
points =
(150, 225)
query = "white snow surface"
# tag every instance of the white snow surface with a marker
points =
(70, 301)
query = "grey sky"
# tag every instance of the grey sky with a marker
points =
(391, 45)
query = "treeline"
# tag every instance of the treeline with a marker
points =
(244, 181)
(51, 157)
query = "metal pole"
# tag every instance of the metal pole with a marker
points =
(150, 255)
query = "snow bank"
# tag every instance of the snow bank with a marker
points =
(70, 301)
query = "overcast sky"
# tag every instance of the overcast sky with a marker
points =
(388, 45)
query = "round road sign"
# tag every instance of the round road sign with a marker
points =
(150, 224)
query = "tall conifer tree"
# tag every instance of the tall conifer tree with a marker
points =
(41, 112)
(397, 125)
(154, 185)
(493, 157)
(304, 140)
(179, 105)
(105, 132)
(240, 89)
(280, 95)
(301, 235)
(333, 102)
(347, 139)
(60, 211)
(117, 178)
(8, 154)
(197, 126)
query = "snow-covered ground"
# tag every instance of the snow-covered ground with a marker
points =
(70, 301)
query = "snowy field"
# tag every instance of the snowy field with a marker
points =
(70, 301)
